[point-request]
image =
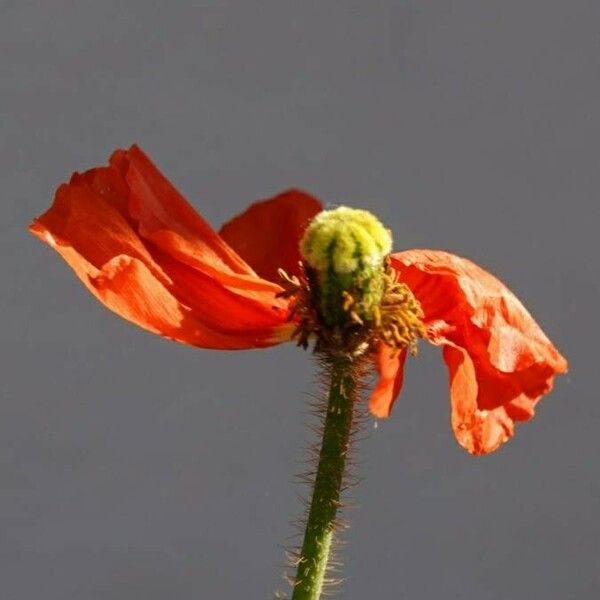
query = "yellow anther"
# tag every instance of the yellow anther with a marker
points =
(377, 316)
(348, 300)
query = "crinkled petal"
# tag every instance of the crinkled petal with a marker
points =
(184, 283)
(500, 361)
(477, 430)
(159, 209)
(267, 235)
(390, 369)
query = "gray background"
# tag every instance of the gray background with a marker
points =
(131, 467)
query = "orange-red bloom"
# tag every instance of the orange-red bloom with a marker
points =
(146, 254)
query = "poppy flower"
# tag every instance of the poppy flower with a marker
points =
(147, 255)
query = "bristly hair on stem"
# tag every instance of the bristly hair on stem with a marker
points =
(346, 298)
(340, 419)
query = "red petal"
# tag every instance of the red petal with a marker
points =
(500, 361)
(390, 367)
(164, 217)
(144, 253)
(267, 235)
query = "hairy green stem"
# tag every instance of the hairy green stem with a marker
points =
(316, 548)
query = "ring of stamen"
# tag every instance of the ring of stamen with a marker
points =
(397, 320)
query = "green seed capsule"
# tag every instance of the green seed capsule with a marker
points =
(344, 250)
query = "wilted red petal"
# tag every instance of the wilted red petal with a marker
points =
(500, 361)
(141, 249)
(159, 209)
(390, 368)
(267, 235)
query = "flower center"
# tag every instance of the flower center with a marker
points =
(344, 251)
(347, 297)
(345, 240)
